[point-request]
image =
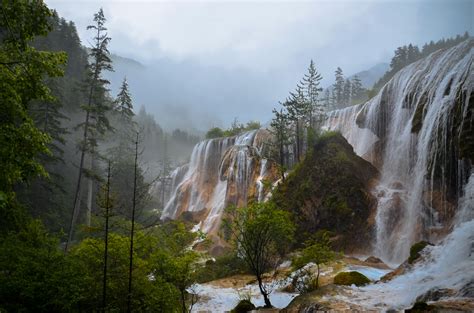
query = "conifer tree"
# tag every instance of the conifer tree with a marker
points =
(338, 87)
(347, 93)
(96, 122)
(298, 109)
(310, 84)
(357, 89)
(281, 139)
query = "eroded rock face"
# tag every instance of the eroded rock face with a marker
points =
(418, 131)
(222, 172)
(330, 190)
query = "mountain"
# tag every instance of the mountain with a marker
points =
(371, 75)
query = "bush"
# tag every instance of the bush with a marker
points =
(243, 306)
(415, 251)
(224, 266)
(351, 278)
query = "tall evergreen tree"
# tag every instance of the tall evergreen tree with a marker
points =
(338, 87)
(281, 139)
(347, 93)
(357, 88)
(96, 122)
(311, 86)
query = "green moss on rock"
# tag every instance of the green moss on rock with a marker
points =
(243, 306)
(415, 251)
(330, 190)
(351, 278)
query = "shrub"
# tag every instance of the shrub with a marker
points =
(415, 251)
(351, 278)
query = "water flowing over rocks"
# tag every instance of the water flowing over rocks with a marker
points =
(419, 132)
(222, 171)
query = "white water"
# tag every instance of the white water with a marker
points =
(221, 172)
(381, 132)
(447, 265)
(218, 299)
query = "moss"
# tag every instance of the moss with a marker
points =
(243, 306)
(420, 307)
(351, 278)
(329, 189)
(415, 251)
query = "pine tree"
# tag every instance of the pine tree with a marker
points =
(96, 122)
(357, 89)
(338, 88)
(298, 109)
(310, 84)
(123, 102)
(280, 129)
(347, 93)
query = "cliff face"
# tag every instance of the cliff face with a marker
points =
(418, 131)
(330, 189)
(222, 171)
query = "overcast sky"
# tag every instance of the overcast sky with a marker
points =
(272, 39)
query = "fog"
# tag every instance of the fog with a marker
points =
(202, 64)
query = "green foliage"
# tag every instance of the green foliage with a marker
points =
(214, 132)
(407, 54)
(235, 129)
(328, 190)
(243, 306)
(223, 266)
(22, 71)
(351, 278)
(415, 251)
(318, 251)
(261, 234)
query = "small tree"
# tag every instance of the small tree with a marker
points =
(261, 233)
(318, 251)
(281, 139)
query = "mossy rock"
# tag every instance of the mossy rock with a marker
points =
(243, 306)
(330, 190)
(415, 251)
(420, 307)
(351, 278)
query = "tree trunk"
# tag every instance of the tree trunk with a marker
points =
(317, 276)
(134, 201)
(266, 299)
(106, 242)
(90, 187)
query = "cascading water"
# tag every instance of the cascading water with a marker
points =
(221, 172)
(446, 268)
(411, 132)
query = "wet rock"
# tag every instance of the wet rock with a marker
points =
(435, 294)
(373, 259)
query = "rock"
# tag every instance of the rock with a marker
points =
(416, 249)
(330, 189)
(435, 294)
(243, 306)
(373, 259)
(351, 278)
(420, 307)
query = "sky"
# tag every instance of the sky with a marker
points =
(239, 58)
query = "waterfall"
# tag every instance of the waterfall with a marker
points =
(221, 172)
(411, 132)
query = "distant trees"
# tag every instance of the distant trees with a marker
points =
(410, 53)
(302, 115)
(235, 129)
(261, 233)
